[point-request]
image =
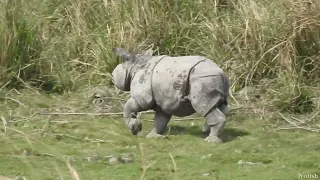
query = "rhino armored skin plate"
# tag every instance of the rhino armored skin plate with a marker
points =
(172, 86)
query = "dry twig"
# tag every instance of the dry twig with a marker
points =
(4, 122)
(89, 114)
(298, 125)
(177, 119)
(14, 100)
(174, 166)
(73, 172)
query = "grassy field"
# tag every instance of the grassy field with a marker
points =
(40, 146)
(53, 53)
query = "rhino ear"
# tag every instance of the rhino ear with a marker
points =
(148, 52)
(124, 56)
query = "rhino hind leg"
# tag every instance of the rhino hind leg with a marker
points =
(208, 99)
(206, 128)
(215, 121)
(161, 120)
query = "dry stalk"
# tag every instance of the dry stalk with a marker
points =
(174, 166)
(73, 172)
(110, 114)
(88, 114)
(24, 135)
(16, 101)
(4, 122)
(298, 125)
(144, 166)
(113, 98)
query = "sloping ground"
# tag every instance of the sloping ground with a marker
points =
(38, 146)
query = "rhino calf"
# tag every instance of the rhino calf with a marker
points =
(172, 86)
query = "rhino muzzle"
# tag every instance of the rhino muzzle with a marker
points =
(120, 78)
(135, 126)
(136, 129)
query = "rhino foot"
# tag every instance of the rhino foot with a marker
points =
(153, 134)
(213, 139)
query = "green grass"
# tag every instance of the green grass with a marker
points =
(37, 146)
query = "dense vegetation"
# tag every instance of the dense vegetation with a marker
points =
(59, 45)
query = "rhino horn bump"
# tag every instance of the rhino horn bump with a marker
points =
(149, 52)
(118, 51)
(124, 56)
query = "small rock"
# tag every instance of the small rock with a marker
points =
(134, 147)
(26, 152)
(20, 178)
(68, 157)
(93, 158)
(126, 158)
(206, 156)
(114, 160)
(108, 157)
(206, 174)
(123, 158)
(240, 162)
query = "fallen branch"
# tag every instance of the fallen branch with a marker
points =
(24, 119)
(110, 114)
(89, 114)
(287, 120)
(80, 139)
(100, 141)
(113, 98)
(176, 119)
(297, 126)
(302, 128)
(4, 122)
(47, 154)
(16, 101)
(73, 172)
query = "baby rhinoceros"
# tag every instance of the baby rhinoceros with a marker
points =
(172, 86)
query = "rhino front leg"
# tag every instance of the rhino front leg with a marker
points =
(161, 120)
(130, 111)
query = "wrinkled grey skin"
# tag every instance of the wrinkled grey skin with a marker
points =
(172, 86)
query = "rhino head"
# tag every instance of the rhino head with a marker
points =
(122, 75)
